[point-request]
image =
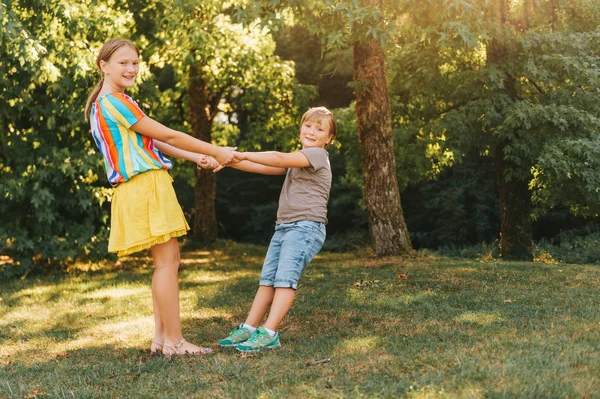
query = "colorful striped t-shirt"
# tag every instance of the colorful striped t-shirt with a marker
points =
(126, 152)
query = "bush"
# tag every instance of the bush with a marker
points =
(581, 246)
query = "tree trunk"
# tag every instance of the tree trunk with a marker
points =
(516, 242)
(204, 225)
(387, 228)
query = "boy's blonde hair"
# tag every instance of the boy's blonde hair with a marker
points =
(318, 114)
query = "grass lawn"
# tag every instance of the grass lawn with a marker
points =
(416, 327)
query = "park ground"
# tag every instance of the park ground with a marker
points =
(420, 326)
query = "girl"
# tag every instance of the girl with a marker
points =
(299, 231)
(144, 210)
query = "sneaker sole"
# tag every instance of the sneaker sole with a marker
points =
(258, 349)
(228, 346)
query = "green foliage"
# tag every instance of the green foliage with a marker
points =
(52, 195)
(338, 24)
(330, 71)
(573, 246)
(537, 100)
(456, 209)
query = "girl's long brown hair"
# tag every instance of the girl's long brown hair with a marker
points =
(107, 50)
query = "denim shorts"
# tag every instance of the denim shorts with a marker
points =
(292, 248)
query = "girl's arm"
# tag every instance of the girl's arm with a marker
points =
(177, 153)
(201, 160)
(153, 129)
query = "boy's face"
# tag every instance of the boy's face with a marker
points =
(122, 68)
(315, 133)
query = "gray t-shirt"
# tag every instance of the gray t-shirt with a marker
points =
(305, 191)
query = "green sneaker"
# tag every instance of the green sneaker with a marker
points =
(259, 340)
(239, 334)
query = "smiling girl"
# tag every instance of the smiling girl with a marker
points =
(145, 212)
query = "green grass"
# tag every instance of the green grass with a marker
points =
(454, 328)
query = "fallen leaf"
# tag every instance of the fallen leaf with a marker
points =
(402, 276)
(508, 301)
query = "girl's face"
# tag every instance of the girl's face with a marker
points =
(315, 133)
(121, 69)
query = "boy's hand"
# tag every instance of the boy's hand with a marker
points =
(239, 156)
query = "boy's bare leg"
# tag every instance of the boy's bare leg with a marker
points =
(260, 305)
(166, 292)
(282, 302)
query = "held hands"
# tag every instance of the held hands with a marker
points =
(225, 155)
(237, 158)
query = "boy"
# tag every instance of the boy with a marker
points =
(299, 231)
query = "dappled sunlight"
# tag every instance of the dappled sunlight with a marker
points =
(199, 277)
(34, 291)
(356, 345)
(207, 313)
(33, 314)
(193, 261)
(123, 334)
(197, 253)
(117, 292)
(483, 318)
(430, 392)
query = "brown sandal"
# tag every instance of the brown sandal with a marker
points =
(176, 350)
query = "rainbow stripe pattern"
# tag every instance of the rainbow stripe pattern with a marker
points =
(126, 152)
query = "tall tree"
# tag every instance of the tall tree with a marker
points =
(387, 227)
(513, 81)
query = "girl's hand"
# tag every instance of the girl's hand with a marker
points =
(206, 162)
(225, 156)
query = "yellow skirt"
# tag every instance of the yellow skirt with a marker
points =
(145, 212)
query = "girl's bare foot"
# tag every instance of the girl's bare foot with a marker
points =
(156, 346)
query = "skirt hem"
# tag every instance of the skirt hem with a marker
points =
(149, 242)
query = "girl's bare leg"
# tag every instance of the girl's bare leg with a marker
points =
(260, 305)
(282, 302)
(165, 290)
(159, 329)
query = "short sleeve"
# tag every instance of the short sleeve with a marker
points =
(318, 157)
(124, 110)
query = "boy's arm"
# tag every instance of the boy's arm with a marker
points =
(274, 159)
(249, 166)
